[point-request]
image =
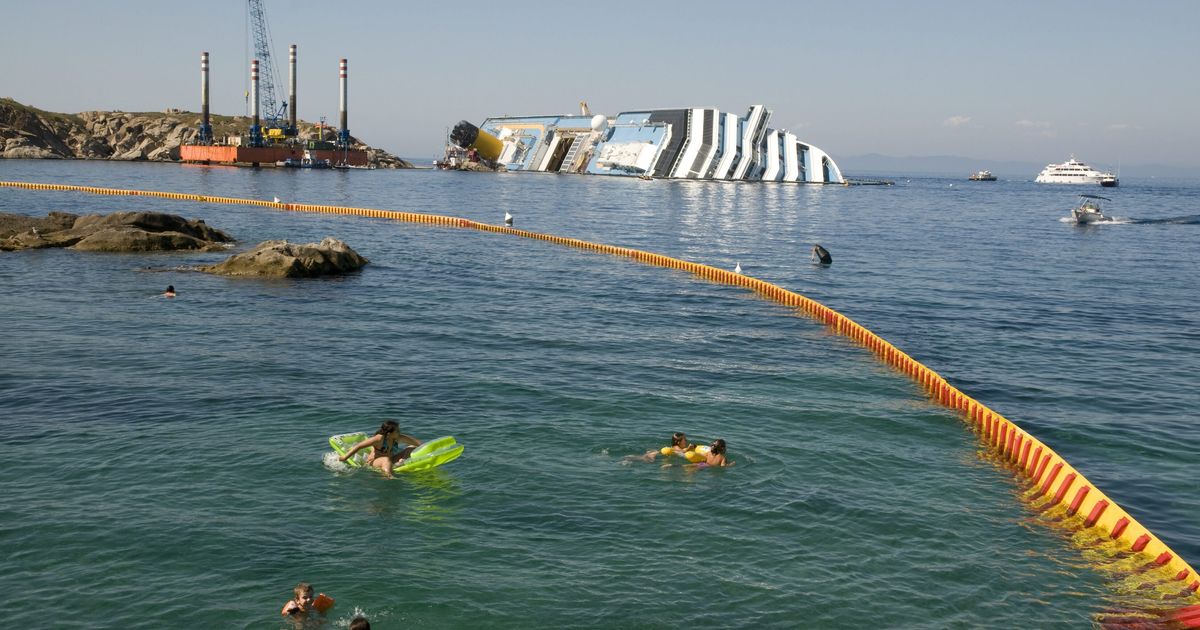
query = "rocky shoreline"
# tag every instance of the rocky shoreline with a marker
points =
(30, 133)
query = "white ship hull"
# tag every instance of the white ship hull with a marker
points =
(1070, 179)
(1073, 172)
(685, 143)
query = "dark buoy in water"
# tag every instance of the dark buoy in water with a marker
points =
(821, 255)
(508, 218)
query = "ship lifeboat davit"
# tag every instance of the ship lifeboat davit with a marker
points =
(469, 136)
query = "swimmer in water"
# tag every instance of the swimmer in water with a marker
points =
(715, 456)
(386, 448)
(679, 446)
(170, 292)
(303, 604)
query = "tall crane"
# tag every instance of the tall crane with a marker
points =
(274, 110)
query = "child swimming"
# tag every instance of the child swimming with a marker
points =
(679, 446)
(303, 603)
(715, 455)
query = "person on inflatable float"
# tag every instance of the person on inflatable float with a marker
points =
(715, 455)
(386, 448)
(679, 446)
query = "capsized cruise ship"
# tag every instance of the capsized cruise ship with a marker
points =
(694, 143)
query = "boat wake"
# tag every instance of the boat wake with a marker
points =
(1185, 220)
(1108, 221)
(1193, 219)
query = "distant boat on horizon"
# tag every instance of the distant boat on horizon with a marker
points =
(1075, 172)
(982, 176)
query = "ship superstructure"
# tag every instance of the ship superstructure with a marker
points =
(1074, 172)
(694, 143)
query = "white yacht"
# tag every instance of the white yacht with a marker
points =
(1074, 172)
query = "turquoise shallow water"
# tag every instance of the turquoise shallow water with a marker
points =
(165, 459)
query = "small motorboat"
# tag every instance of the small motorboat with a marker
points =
(1088, 210)
(308, 161)
(982, 176)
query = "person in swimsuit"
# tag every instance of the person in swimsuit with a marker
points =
(170, 292)
(387, 447)
(303, 604)
(715, 455)
(679, 446)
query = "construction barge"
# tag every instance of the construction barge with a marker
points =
(277, 143)
(270, 155)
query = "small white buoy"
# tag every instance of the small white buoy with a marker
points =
(277, 200)
(507, 218)
(738, 268)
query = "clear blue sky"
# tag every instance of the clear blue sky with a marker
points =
(1014, 80)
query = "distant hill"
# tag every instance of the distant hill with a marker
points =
(959, 166)
(28, 132)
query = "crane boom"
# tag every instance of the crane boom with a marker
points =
(273, 109)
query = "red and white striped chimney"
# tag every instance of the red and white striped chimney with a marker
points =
(254, 90)
(292, 87)
(345, 129)
(204, 89)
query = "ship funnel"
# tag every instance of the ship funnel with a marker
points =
(343, 140)
(469, 136)
(205, 135)
(292, 90)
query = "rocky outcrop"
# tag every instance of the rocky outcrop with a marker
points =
(13, 224)
(281, 259)
(27, 132)
(116, 232)
(482, 167)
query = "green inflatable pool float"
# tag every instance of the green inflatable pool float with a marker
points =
(429, 454)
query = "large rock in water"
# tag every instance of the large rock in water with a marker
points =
(145, 232)
(281, 259)
(116, 232)
(14, 224)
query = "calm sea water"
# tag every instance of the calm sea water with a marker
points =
(165, 460)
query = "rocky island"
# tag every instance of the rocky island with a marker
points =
(129, 232)
(28, 132)
(116, 232)
(281, 259)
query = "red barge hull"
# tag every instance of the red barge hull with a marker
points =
(266, 156)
